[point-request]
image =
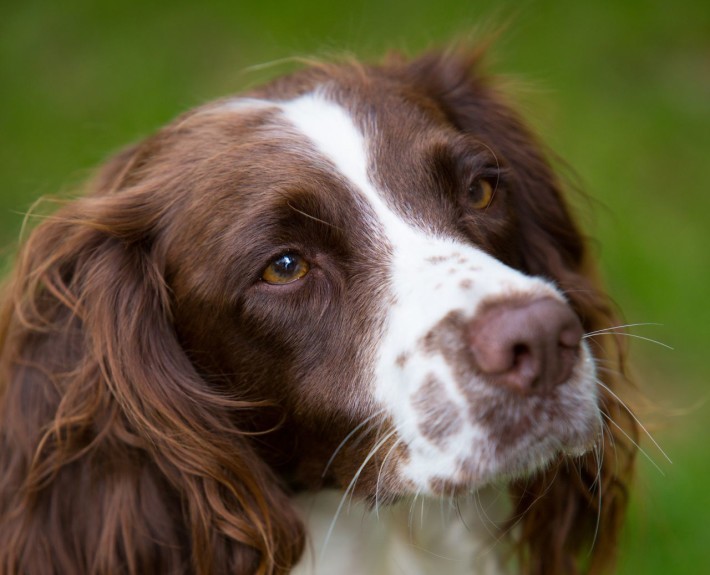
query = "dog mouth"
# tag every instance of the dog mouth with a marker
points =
(501, 437)
(533, 453)
(474, 472)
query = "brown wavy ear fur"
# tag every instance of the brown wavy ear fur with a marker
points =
(115, 455)
(567, 518)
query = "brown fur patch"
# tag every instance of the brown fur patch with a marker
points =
(438, 417)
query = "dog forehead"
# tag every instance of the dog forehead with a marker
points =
(331, 129)
(377, 140)
(365, 143)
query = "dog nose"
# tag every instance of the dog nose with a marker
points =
(526, 345)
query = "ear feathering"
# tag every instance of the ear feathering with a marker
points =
(108, 421)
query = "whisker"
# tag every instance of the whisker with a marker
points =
(379, 475)
(608, 329)
(646, 455)
(347, 437)
(599, 456)
(376, 439)
(612, 443)
(486, 521)
(411, 515)
(351, 486)
(611, 435)
(431, 553)
(636, 419)
(613, 370)
(421, 514)
(457, 507)
(315, 219)
(271, 64)
(621, 333)
(519, 517)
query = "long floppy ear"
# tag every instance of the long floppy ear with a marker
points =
(115, 455)
(567, 517)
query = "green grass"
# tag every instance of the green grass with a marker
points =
(621, 90)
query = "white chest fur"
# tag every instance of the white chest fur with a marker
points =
(414, 537)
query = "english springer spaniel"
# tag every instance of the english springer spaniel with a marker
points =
(334, 325)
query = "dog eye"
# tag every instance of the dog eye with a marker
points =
(285, 269)
(481, 193)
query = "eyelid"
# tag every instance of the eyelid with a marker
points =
(492, 173)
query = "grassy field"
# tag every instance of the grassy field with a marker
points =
(621, 90)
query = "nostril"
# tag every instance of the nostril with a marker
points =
(523, 358)
(520, 352)
(524, 369)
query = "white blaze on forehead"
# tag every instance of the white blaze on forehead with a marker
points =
(332, 131)
(337, 138)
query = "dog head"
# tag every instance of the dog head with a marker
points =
(358, 276)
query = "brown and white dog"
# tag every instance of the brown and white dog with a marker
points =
(356, 283)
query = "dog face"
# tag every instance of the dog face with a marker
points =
(348, 252)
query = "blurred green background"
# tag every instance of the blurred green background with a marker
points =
(619, 89)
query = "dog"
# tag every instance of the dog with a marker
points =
(357, 285)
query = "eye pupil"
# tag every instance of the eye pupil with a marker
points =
(285, 264)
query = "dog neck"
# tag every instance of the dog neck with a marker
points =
(415, 536)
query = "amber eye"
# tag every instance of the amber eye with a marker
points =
(481, 193)
(285, 269)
